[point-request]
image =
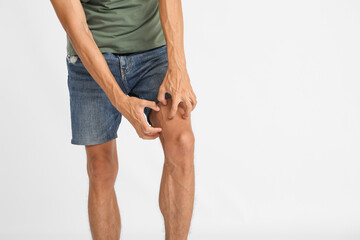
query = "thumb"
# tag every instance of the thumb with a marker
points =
(152, 105)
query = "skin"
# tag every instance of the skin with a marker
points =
(176, 81)
(176, 197)
(171, 120)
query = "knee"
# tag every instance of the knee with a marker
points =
(180, 150)
(182, 142)
(102, 170)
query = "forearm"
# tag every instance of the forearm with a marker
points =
(95, 63)
(171, 18)
(73, 20)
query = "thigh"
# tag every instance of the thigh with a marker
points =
(94, 119)
(104, 152)
(171, 129)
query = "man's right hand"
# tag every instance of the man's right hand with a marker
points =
(72, 17)
(132, 108)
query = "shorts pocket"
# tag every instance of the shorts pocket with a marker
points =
(72, 58)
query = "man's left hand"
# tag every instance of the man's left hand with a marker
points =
(177, 83)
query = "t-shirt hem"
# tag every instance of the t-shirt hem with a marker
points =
(125, 50)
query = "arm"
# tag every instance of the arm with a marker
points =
(176, 81)
(73, 20)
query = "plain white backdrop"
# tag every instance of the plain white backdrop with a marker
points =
(277, 126)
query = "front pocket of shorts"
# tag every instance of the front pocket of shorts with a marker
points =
(72, 58)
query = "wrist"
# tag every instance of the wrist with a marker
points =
(176, 66)
(176, 59)
(119, 100)
(177, 69)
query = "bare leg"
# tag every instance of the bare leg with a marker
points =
(102, 167)
(177, 187)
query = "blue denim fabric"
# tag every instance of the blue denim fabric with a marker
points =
(94, 119)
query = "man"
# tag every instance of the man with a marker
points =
(126, 58)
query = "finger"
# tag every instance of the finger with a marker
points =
(151, 104)
(145, 128)
(161, 96)
(149, 130)
(150, 136)
(152, 131)
(174, 108)
(188, 108)
(194, 102)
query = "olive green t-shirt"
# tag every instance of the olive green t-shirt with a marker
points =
(123, 26)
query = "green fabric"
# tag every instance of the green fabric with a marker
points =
(123, 26)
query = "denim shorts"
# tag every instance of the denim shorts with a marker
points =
(94, 119)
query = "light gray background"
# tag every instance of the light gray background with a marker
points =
(277, 126)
